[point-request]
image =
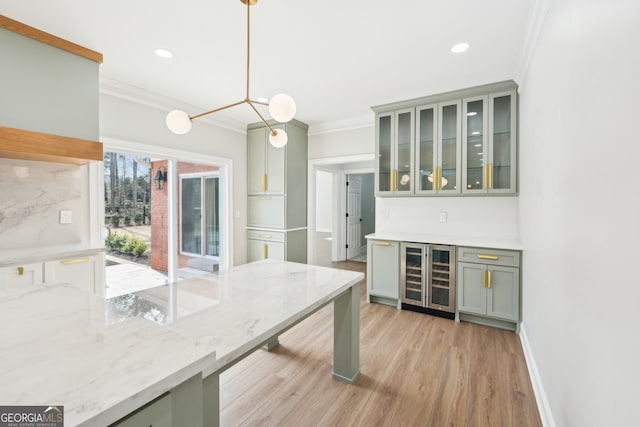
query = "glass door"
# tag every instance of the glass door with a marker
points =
(502, 149)
(447, 175)
(442, 280)
(200, 216)
(384, 163)
(402, 182)
(413, 272)
(475, 156)
(426, 160)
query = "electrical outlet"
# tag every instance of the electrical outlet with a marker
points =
(66, 217)
(443, 216)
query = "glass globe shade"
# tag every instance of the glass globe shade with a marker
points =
(404, 180)
(179, 122)
(282, 107)
(278, 140)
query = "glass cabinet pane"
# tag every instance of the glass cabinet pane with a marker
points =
(426, 148)
(501, 158)
(449, 157)
(475, 144)
(405, 132)
(384, 153)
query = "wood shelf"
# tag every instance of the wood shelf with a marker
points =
(28, 145)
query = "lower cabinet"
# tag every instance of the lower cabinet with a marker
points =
(279, 245)
(383, 272)
(489, 287)
(85, 272)
(17, 276)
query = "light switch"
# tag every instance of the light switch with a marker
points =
(443, 216)
(66, 217)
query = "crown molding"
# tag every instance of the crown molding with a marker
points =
(537, 18)
(342, 125)
(140, 96)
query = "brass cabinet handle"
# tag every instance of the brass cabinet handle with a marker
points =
(483, 256)
(383, 243)
(394, 180)
(264, 182)
(20, 271)
(488, 279)
(485, 179)
(264, 251)
(74, 261)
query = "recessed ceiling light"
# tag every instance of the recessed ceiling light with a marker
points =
(164, 53)
(460, 47)
(478, 145)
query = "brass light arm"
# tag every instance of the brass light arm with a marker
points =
(218, 109)
(273, 132)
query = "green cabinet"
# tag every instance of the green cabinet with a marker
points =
(383, 272)
(488, 285)
(456, 143)
(277, 193)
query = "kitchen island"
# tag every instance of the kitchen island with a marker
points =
(104, 359)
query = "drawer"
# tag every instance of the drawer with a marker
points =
(265, 211)
(271, 236)
(489, 256)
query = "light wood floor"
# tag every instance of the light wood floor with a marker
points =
(416, 370)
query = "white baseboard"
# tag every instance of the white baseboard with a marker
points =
(536, 381)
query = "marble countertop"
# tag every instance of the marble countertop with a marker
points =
(44, 253)
(102, 359)
(479, 242)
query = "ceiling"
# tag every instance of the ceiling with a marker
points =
(335, 58)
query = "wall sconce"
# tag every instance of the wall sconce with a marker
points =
(161, 178)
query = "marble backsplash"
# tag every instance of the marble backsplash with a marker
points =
(31, 197)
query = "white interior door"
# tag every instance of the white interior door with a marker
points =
(354, 215)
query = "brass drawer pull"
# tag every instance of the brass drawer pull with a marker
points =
(264, 251)
(483, 256)
(74, 261)
(20, 271)
(264, 182)
(383, 243)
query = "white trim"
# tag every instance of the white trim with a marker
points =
(538, 388)
(225, 170)
(537, 18)
(159, 102)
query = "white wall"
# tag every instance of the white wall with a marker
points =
(342, 143)
(324, 201)
(123, 120)
(579, 210)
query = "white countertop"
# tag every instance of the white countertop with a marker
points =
(102, 359)
(45, 253)
(479, 242)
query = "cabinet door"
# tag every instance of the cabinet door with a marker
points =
(402, 183)
(276, 166)
(383, 267)
(426, 148)
(412, 274)
(448, 173)
(83, 272)
(503, 293)
(257, 158)
(472, 294)
(266, 211)
(502, 147)
(20, 276)
(384, 153)
(263, 249)
(475, 157)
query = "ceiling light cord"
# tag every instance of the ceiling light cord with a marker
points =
(281, 106)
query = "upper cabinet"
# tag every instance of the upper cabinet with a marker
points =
(395, 152)
(456, 143)
(489, 141)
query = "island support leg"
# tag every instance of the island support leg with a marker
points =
(346, 335)
(211, 392)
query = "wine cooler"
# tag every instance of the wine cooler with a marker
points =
(427, 278)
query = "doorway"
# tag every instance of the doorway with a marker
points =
(360, 215)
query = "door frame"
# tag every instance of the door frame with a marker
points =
(225, 169)
(339, 167)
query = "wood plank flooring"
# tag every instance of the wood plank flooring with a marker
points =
(416, 370)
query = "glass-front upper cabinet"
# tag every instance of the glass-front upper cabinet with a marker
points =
(395, 152)
(438, 148)
(488, 139)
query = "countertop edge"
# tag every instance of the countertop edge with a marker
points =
(47, 253)
(476, 242)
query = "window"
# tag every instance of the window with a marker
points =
(200, 215)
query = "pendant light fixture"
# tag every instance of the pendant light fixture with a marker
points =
(281, 106)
